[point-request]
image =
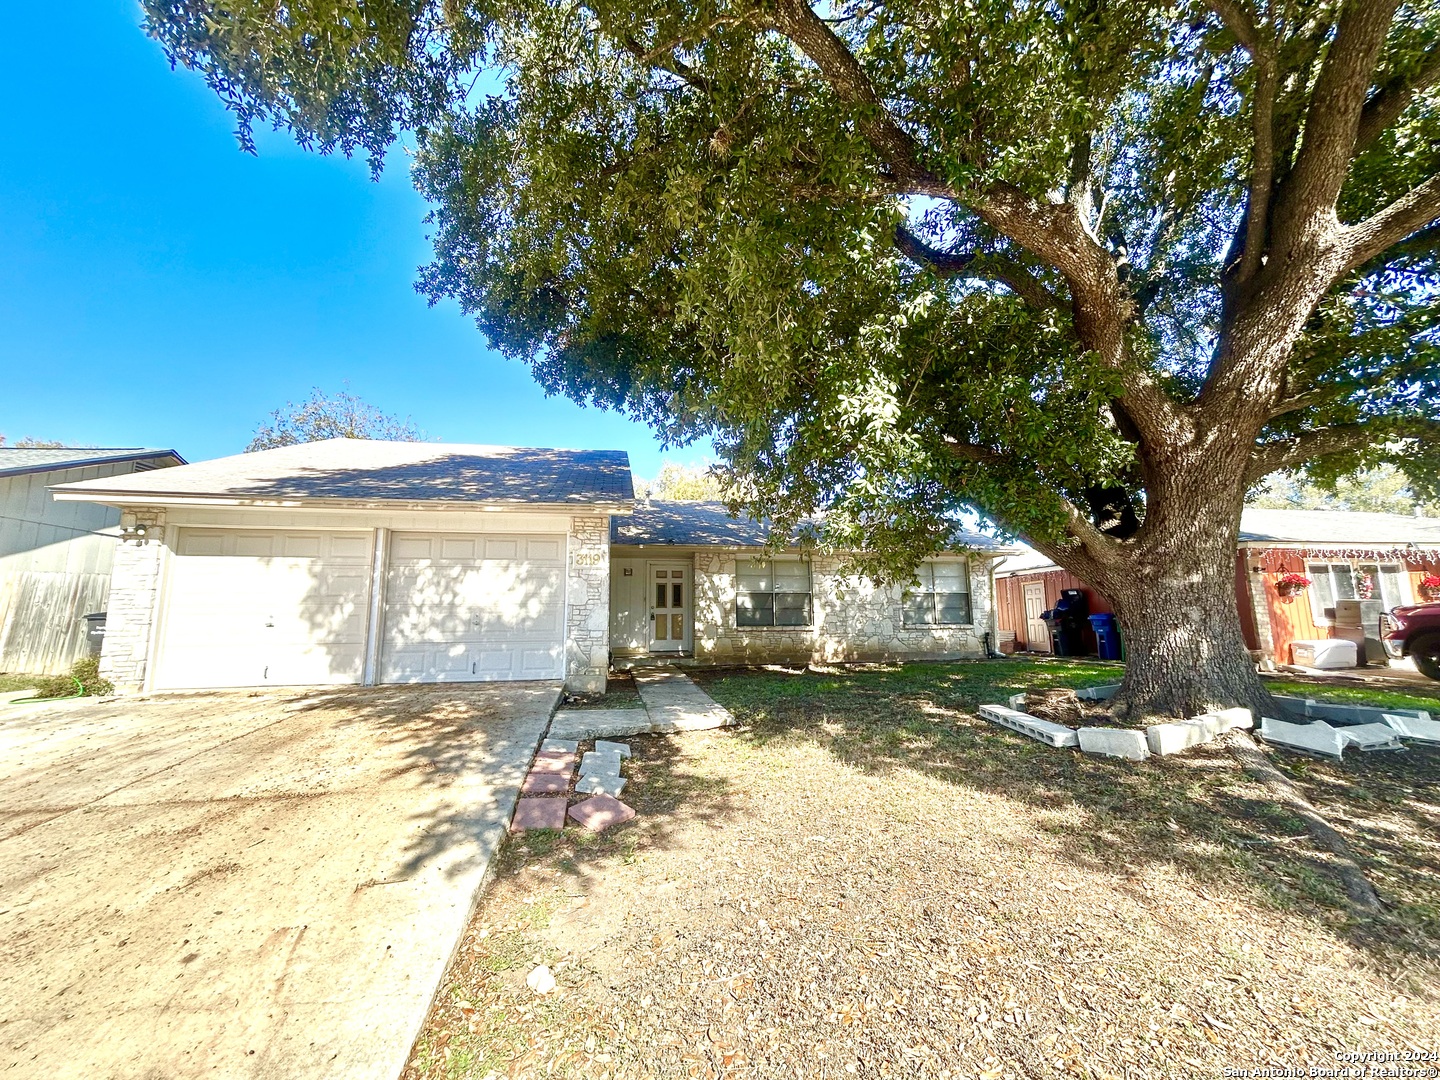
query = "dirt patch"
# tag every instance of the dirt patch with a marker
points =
(834, 892)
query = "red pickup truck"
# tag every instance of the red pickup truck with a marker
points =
(1414, 631)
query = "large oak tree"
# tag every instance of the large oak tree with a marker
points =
(1093, 267)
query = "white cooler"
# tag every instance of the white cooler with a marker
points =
(1327, 653)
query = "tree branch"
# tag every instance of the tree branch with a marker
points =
(974, 264)
(1408, 214)
(1262, 165)
(1333, 118)
(1386, 105)
(1054, 233)
(1290, 453)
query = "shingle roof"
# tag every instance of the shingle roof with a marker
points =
(1320, 528)
(1332, 528)
(701, 524)
(32, 459)
(371, 470)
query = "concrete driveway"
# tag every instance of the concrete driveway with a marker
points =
(251, 885)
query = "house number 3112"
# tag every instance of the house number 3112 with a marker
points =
(588, 558)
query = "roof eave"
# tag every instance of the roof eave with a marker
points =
(86, 463)
(65, 493)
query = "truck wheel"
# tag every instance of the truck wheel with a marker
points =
(1426, 651)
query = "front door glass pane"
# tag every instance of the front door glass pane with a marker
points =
(677, 628)
(677, 594)
(661, 624)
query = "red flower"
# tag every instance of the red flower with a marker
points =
(1294, 581)
(1430, 581)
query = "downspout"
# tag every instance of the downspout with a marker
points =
(993, 633)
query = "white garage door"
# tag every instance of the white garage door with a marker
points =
(251, 608)
(473, 608)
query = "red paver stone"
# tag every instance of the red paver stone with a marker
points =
(538, 814)
(600, 812)
(553, 761)
(546, 783)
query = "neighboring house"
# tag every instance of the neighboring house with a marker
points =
(358, 562)
(55, 557)
(1376, 559)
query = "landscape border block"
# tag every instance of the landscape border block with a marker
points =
(1126, 743)
(1046, 731)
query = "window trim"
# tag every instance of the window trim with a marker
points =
(809, 594)
(910, 592)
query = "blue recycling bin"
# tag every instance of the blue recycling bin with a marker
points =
(1107, 636)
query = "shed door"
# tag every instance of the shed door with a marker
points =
(258, 607)
(472, 608)
(1037, 634)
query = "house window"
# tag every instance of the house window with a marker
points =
(772, 592)
(943, 596)
(1384, 582)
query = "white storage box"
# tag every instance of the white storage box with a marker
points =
(1327, 653)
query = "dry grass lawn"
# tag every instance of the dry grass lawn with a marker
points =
(866, 880)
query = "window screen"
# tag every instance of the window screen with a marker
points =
(772, 592)
(943, 596)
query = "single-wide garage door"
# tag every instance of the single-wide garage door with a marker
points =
(251, 608)
(473, 608)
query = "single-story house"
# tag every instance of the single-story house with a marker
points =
(360, 562)
(1378, 560)
(55, 557)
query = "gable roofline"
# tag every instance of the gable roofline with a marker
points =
(369, 473)
(79, 457)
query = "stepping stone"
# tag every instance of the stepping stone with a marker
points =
(597, 763)
(601, 784)
(559, 746)
(599, 723)
(546, 783)
(600, 812)
(603, 747)
(552, 761)
(538, 814)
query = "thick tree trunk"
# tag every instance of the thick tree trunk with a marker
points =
(1173, 590)
(1184, 649)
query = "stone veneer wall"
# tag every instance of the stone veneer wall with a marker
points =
(130, 615)
(854, 620)
(587, 596)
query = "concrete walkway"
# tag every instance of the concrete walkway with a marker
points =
(246, 885)
(672, 703)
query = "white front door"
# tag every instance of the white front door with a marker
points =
(248, 607)
(473, 608)
(669, 607)
(1037, 634)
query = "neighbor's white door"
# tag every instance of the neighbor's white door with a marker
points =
(669, 607)
(473, 608)
(1037, 634)
(258, 607)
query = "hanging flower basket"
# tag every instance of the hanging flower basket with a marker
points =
(1430, 587)
(1291, 584)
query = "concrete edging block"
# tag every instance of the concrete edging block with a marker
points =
(1098, 693)
(1046, 731)
(1124, 743)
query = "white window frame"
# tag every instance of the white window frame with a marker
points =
(768, 565)
(1315, 569)
(926, 573)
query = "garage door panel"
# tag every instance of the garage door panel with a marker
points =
(473, 607)
(256, 607)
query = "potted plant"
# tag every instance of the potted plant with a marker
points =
(1430, 587)
(1291, 583)
(1364, 585)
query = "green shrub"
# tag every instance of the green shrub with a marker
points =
(86, 672)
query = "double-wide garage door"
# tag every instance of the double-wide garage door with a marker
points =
(253, 607)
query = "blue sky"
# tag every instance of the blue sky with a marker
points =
(158, 287)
